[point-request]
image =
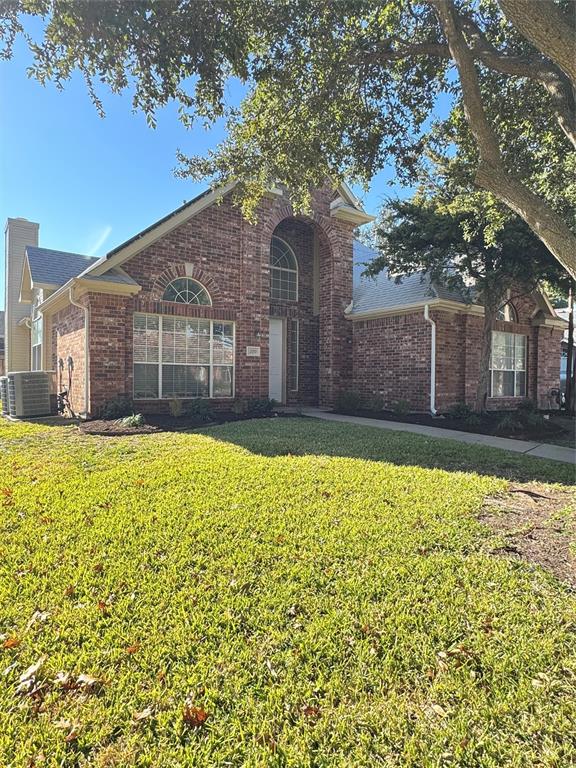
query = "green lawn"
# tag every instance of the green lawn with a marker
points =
(323, 593)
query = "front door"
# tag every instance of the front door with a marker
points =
(276, 360)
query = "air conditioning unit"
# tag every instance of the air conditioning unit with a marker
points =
(29, 393)
(4, 395)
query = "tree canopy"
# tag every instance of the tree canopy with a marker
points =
(338, 90)
(427, 234)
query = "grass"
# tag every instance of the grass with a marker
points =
(324, 594)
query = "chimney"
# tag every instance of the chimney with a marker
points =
(18, 234)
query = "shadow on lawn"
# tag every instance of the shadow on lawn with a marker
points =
(305, 436)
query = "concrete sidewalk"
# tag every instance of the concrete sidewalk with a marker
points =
(541, 450)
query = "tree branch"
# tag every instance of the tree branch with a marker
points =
(535, 68)
(545, 25)
(491, 174)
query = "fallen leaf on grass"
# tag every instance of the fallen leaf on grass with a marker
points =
(88, 683)
(32, 670)
(70, 591)
(73, 729)
(311, 711)
(434, 710)
(134, 648)
(145, 714)
(11, 642)
(84, 683)
(103, 607)
(194, 717)
(40, 616)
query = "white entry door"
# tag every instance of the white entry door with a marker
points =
(276, 360)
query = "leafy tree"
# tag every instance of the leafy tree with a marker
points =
(338, 89)
(423, 234)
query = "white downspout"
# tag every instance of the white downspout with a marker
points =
(428, 319)
(86, 349)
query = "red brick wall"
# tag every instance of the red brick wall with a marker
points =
(67, 340)
(392, 360)
(230, 257)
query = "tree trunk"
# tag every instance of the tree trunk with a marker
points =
(491, 305)
(547, 27)
(570, 383)
(540, 217)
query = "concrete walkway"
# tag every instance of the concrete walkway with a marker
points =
(541, 450)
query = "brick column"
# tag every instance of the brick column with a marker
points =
(336, 258)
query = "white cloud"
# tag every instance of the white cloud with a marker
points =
(100, 240)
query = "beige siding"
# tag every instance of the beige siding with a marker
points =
(18, 234)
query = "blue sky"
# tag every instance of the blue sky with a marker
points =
(90, 182)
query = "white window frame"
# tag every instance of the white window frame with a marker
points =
(507, 314)
(37, 319)
(211, 365)
(514, 370)
(283, 269)
(188, 303)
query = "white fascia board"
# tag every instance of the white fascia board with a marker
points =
(105, 286)
(150, 237)
(404, 309)
(349, 196)
(349, 213)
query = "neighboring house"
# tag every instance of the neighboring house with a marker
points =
(2, 344)
(204, 304)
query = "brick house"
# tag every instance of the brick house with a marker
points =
(205, 304)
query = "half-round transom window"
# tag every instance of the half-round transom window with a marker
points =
(283, 271)
(184, 290)
(507, 313)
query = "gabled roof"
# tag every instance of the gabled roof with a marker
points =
(346, 206)
(383, 292)
(54, 268)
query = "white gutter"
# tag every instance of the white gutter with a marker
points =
(86, 348)
(428, 319)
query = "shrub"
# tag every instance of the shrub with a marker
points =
(199, 409)
(260, 406)
(527, 407)
(460, 411)
(134, 420)
(473, 420)
(253, 407)
(348, 401)
(374, 403)
(510, 424)
(176, 407)
(117, 408)
(401, 407)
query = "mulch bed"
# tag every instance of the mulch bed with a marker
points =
(113, 429)
(559, 429)
(167, 423)
(537, 524)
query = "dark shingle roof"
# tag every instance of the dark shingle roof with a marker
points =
(56, 267)
(383, 292)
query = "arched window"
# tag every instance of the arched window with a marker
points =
(283, 271)
(507, 313)
(184, 290)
